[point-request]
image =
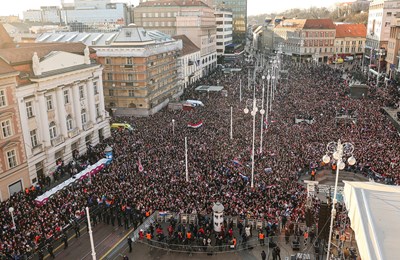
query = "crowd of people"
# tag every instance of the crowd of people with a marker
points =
(219, 167)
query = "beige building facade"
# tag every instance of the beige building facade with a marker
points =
(140, 74)
(194, 19)
(14, 176)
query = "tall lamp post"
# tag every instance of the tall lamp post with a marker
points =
(262, 112)
(90, 234)
(253, 113)
(11, 210)
(339, 153)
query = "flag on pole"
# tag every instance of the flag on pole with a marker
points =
(195, 125)
(236, 162)
(140, 166)
(244, 177)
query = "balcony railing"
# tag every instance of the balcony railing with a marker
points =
(74, 132)
(56, 141)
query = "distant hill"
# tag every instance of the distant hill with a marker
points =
(347, 16)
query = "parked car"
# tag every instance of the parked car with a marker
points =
(349, 58)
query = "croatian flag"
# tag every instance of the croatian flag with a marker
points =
(236, 162)
(192, 125)
(244, 177)
(140, 166)
(163, 213)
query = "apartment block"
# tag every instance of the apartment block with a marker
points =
(194, 19)
(350, 39)
(140, 73)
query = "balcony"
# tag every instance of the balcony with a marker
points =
(74, 132)
(56, 141)
(37, 149)
(87, 126)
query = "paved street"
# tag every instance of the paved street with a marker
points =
(105, 237)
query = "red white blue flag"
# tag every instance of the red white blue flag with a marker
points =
(195, 125)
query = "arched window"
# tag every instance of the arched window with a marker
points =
(83, 116)
(53, 130)
(69, 123)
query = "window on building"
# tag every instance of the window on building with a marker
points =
(53, 130)
(29, 109)
(34, 140)
(131, 93)
(97, 110)
(6, 128)
(81, 92)
(49, 102)
(129, 61)
(108, 61)
(3, 98)
(69, 123)
(95, 88)
(12, 159)
(66, 96)
(109, 76)
(111, 92)
(83, 116)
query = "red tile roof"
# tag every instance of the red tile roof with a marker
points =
(351, 30)
(188, 45)
(5, 39)
(319, 24)
(23, 54)
(5, 68)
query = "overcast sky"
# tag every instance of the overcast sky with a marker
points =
(15, 7)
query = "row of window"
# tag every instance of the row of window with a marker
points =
(53, 128)
(67, 100)
(150, 24)
(156, 15)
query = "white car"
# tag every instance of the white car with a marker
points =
(349, 58)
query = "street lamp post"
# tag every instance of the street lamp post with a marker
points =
(231, 132)
(253, 113)
(90, 234)
(240, 90)
(11, 210)
(338, 151)
(262, 112)
(186, 160)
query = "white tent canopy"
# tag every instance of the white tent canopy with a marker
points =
(374, 212)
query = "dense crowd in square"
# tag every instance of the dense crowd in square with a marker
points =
(123, 195)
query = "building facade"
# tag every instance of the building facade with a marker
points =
(194, 19)
(140, 73)
(239, 11)
(14, 175)
(307, 39)
(189, 61)
(382, 14)
(224, 29)
(59, 96)
(92, 12)
(393, 55)
(350, 40)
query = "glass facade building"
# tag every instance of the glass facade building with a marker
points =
(239, 11)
